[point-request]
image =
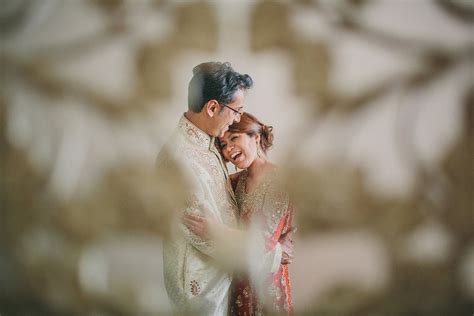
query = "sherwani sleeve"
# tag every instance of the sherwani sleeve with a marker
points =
(197, 205)
(189, 189)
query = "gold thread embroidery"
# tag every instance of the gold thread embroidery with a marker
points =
(195, 287)
(238, 301)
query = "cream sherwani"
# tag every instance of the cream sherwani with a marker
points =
(194, 280)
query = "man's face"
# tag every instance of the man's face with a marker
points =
(229, 114)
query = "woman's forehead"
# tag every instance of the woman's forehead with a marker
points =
(228, 135)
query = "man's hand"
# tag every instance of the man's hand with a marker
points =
(197, 224)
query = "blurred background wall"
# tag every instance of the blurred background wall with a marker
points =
(372, 108)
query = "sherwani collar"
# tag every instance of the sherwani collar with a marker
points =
(200, 138)
(195, 134)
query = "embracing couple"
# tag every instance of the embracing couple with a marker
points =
(229, 248)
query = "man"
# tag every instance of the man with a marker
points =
(194, 280)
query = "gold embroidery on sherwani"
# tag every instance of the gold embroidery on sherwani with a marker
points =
(195, 288)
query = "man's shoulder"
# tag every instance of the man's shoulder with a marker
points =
(179, 152)
(174, 144)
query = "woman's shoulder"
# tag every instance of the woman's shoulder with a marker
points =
(277, 183)
(273, 172)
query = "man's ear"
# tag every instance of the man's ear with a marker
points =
(211, 107)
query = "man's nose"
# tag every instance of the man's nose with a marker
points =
(229, 148)
(237, 119)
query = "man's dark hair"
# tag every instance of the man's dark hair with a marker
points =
(215, 81)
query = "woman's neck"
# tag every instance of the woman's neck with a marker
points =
(258, 167)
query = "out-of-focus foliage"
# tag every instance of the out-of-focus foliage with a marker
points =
(47, 266)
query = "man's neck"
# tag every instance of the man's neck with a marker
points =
(197, 120)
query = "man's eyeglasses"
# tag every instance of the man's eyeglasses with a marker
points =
(236, 112)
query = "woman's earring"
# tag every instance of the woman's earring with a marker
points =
(259, 152)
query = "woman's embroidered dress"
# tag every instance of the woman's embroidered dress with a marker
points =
(271, 205)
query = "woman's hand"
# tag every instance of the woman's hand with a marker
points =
(287, 246)
(287, 252)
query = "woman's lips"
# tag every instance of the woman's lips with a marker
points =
(237, 157)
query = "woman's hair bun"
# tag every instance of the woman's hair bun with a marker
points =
(266, 137)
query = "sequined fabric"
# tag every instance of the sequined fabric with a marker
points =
(269, 204)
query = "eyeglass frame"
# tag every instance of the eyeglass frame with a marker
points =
(236, 112)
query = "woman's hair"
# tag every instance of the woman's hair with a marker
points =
(251, 126)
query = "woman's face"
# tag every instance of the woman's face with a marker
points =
(239, 148)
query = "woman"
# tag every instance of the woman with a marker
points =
(260, 200)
